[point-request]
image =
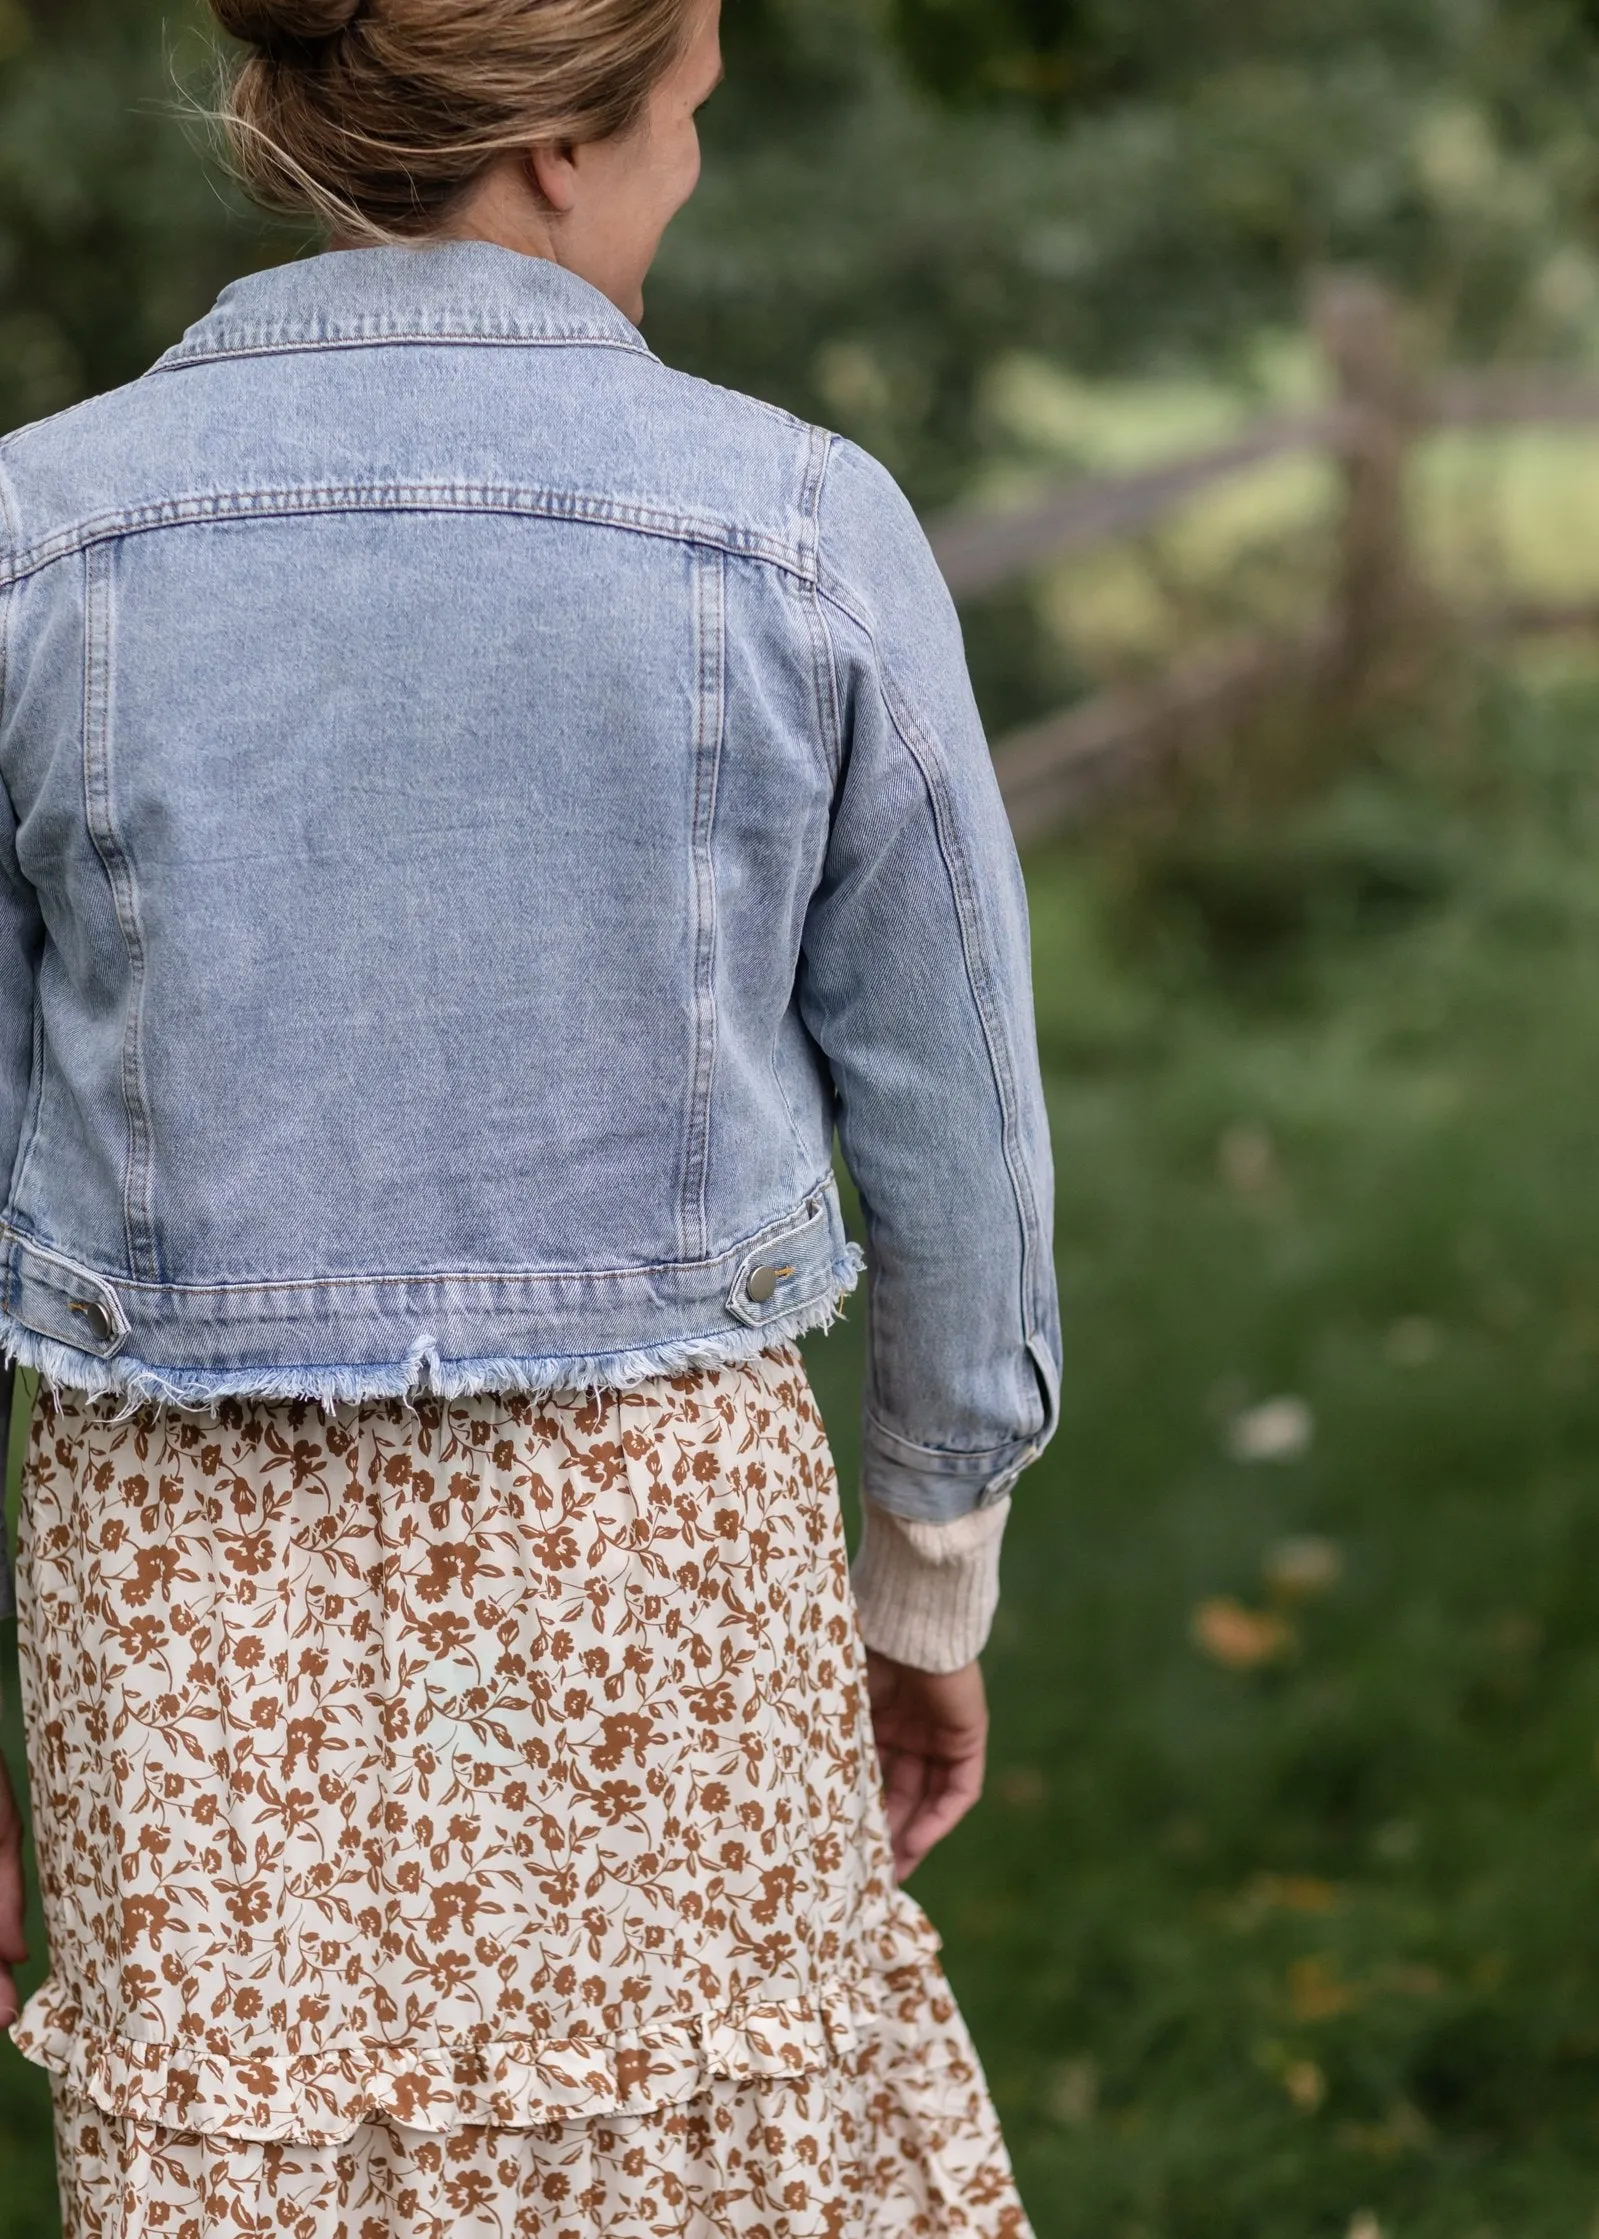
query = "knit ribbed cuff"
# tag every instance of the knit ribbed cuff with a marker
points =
(926, 1593)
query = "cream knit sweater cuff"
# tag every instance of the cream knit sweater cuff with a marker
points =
(927, 1593)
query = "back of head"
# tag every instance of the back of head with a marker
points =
(376, 116)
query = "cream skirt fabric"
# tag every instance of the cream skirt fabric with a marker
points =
(464, 1821)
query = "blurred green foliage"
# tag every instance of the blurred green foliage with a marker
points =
(112, 236)
(900, 193)
(1117, 183)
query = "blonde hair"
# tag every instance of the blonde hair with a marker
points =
(375, 116)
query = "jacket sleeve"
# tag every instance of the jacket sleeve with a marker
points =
(20, 941)
(916, 985)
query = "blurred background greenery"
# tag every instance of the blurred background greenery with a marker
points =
(1283, 1918)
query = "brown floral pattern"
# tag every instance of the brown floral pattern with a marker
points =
(464, 1818)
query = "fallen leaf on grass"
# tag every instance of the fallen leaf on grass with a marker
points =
(1277, 1893)
(1241, 1639)
(1413, 1982)
(1278, 1430)
(1022, 1785)
(1295, 1893)
(1305, 2085)
(1298, 1570)
(1316, 1993)
(1407, 2130)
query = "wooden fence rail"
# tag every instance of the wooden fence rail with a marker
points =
(1052, 769)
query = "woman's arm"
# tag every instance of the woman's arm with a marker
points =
(916, 984)
(926, 1594)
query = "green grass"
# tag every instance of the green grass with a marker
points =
(1257, 1954)
(1274, 1952)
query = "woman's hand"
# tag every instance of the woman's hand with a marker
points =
(932, 1743)
(13, 1899)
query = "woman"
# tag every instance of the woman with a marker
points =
(480, 810)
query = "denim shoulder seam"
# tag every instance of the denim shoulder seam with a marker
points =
(219, 508)
(829, 707)
(761, 406)
(14, 437)
(928, 759)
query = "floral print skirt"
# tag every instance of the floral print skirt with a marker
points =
(463, 1819)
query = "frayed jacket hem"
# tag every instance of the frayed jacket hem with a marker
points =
(424, 1372)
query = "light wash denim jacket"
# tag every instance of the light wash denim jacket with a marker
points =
(479, 810)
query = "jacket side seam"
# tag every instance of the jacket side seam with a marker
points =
(927, 758)
(221, 508)
(11, 534)
(980, 980)
(16, 1180)
(873, 1358)
(710, 602)
(34, 1123)
(100, 814)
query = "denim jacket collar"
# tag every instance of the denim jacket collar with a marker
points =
(458, 291)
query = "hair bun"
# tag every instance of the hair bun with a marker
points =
(277, 23)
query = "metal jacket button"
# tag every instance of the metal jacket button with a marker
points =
(96, 1320)
(762, 1284)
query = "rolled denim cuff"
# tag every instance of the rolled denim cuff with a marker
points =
(931, 1485)
(926, 1593)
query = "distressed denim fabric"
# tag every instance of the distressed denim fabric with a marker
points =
(480, 810)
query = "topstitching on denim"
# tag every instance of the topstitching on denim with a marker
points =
(829, 713)
(710, 704)
(806, 1204)
(30, 1124)
(926, 755)
(217, 507)
(99, 792)
(10, 536)
(407, 337)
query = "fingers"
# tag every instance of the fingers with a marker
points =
(10, 2002)
(13, 1904)
(905, 1778)
(13, 1884)
(932, 1733)
(947, 1793)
